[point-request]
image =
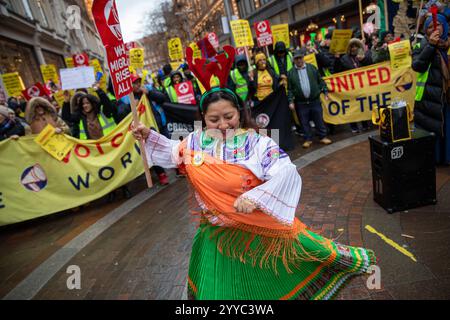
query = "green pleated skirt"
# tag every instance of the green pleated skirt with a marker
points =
(214, 275)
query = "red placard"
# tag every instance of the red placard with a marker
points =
(36, 90)
(118, 65)
(263, 33)
(185, 92)
(107, 22)
(80, 60)
(130, 45)
(213, 40)
(240, 51)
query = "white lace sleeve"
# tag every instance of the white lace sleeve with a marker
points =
(278, 196)
(162, 151)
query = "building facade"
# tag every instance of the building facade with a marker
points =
(156, 54)
(35, 32)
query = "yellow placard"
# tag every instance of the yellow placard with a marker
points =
(59, 97)
(13, 84)
(35, 184)
(311, 59)
(69, 62)
(49, 73)
(242, 33)
(340, 40)
(175, 65)
(354, 94)
(280, 32)
(57, 145)
(137, 58)
(400, 53)
(197, 53)
(98, 68)
(175, 49)
(144, 76)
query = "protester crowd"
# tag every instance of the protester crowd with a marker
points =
(92, 115)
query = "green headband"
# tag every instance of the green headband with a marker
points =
(218, 89)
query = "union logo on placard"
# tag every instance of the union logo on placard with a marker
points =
(262, 27)
(183, 88)
(262, 120)
(112, 19)
(34, 178)
(79, 58)
(33, 91)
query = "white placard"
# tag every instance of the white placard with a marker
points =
(77, 78)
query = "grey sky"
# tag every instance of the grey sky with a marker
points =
(131, 14)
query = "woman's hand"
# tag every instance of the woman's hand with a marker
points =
(244, 206)
(140, 132)
(434, 38)
(14, 137)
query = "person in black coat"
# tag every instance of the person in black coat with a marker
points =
(9, 128)
(431, 111)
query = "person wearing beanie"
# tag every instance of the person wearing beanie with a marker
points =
(380, 52)
(430, 61)
(281, 61)
(266, 80)
(9, 127)
(241, 80)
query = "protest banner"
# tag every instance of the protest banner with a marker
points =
(241, 33)
(76, 78)
(69, 62)
(263, 33)
(185, 92)
(80, 60)
(280, 32)
(311, 59)
(175, 49)
(106, 19)
(59, 97)
(213, 40)
(57, 145)
(98, 68)
(340, 40)
(13, 84)
(130, 45)
(354, 94)
(36, 90)
(49, 73)
(400, 53)
(137, 58)
(35, 184)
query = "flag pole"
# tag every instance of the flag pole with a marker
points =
(141, 142)
(361, 20)
(417, 23)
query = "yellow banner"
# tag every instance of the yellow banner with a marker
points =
(34, 184)
(69, 62)
(175, 49)
(400, 53)
(354, 94)
(49, 72)
(98, 68)
(137, 58)
(340, 40)
(311, 59)
(280, 32)
(13, 84)
(242, 33)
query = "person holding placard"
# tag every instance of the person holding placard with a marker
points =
(430, 60)
(40, 112)
(266, 80)
(281, 61)
(240, 80)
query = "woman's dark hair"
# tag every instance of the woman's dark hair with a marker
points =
(246, 121)
(95, 102)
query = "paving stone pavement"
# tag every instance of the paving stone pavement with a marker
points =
(145, 254)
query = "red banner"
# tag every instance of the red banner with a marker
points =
(130, 45)
(80, 60)
(107, 22)
(118, 65)
(36, 90)
(263, 33)
(185, 92)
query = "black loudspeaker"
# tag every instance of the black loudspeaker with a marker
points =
(404, 173)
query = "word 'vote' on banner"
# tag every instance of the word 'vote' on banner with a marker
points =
(354, 94)
(34, 183)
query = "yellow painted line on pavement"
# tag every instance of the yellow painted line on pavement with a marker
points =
(392, 243)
